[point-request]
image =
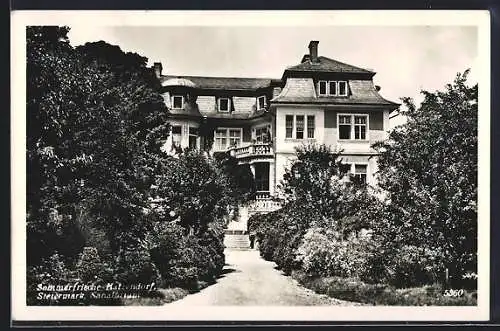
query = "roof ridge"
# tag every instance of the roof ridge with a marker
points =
(347, 64)
(221, 77)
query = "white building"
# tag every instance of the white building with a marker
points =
(261, 121)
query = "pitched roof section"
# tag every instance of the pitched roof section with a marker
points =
(225, 83)
(301, 90)
(297, 88)
(325, 64)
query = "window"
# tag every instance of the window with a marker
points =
(262, 135)
(193, 138)
(342, 89)
(310, 126)
(225, 138)
(220, 140)
(224, 104)
(261, 102)
(299, 127)
(360, 171)
(332, 88)
(345, 127)
(360, 127)
(289, 126)
(353, 127)
(176, 135)
(322, 87)
(234, 138)
(177, 102)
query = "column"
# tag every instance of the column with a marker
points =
(271, 178)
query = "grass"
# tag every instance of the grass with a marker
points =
(381, 294)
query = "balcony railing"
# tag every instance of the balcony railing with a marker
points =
(264, 203)
(256, 149)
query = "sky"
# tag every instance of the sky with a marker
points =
(407, 59)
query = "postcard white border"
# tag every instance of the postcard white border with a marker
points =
(21, 19)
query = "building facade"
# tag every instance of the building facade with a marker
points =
(261, 121)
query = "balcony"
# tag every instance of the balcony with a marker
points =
(263, 203)
(255, 149)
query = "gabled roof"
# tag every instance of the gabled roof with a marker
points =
(325, 64)
(225, 83)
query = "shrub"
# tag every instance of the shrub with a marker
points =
(414, 266)
(135, 266)
(185, 260)
(89, 266)
(52, 271)
(354, 290)
(324, 252)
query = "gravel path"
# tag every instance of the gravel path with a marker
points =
(249, 280)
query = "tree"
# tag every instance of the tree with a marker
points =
(94, 115)
(428, 168)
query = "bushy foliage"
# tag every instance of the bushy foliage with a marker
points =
(423, 221)
(52, 270)
(428, 170)
(96, 121)
(354, 290)
(325, 252)
(316, 196)
(89, 266)
(134, 266)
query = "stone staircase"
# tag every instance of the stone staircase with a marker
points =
(236, 240)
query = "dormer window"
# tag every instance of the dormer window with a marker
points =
(224, 104)
(261, 102)
(177, 101)
(342, 88)
(332, 88)
(322, 89)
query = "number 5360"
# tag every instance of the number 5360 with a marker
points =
(453, 293)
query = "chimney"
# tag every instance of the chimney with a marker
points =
(313, 50)
(158, 68)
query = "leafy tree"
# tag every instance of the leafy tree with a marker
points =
(428, 169)
(96, 122)
(92, 123)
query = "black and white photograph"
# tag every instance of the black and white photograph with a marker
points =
(242, 165)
